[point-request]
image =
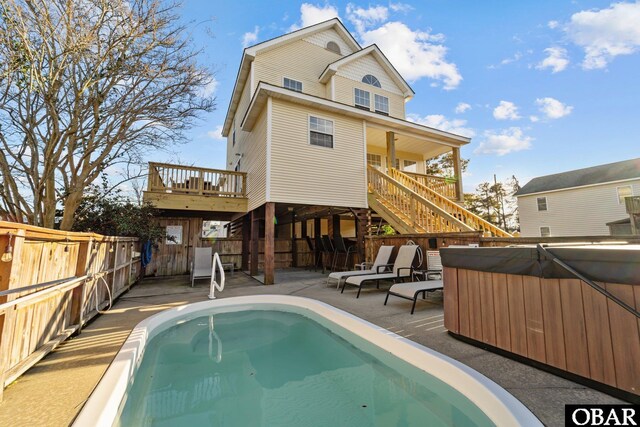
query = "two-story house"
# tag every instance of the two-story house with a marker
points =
(316, 127)
(583, 202)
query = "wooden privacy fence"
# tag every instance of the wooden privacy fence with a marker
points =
(51, 283)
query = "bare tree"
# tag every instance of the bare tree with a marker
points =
(85, 85)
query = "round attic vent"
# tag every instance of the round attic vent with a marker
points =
(333, 47)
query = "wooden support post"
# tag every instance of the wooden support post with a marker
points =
(391, 150)
(335, 221)
(317, 233)
(83, 264)
(303, 232)
(269, 243)
(361, 218)
(255, 242)
(294, 247)
(246, 242)
(457, 172)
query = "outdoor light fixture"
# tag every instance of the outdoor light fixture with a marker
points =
(66, 246)
(111, 249)
(7, 256)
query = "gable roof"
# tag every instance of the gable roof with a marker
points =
(374, 51)
(249, 54)
(601, 174)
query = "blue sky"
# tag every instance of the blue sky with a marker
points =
(541, 86)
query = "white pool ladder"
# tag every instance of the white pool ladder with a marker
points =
(215, 285)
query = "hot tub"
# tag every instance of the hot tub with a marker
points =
(282, 360)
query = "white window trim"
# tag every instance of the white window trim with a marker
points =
(546, 203)
(361, 105)
(373, 154)
(374, 104)
(333, 134)
(547, 227)
(297, 81)
(618, 194)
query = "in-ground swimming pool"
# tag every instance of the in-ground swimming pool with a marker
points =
(287, 361)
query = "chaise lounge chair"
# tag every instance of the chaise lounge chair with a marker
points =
(402, 269)
(382, 260)
(202, 264)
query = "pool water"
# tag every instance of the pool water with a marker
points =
(276, 368)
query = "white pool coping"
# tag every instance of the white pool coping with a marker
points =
(101, 409)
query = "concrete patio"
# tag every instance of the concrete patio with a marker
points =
(53, 392)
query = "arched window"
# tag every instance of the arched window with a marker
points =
(333, 47)
(371, 80)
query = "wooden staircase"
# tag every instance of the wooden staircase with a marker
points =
(411, 207)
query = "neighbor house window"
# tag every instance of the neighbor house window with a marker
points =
(362, 99)
(293, 84)
(381, 104)
(233, 137)
(320, 132)
(409, 166)
(371, 80)
(542, 203)
(545, 232)
(374, 160)
(625, 191)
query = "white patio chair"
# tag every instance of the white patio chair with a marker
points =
(384, 253)
(402, 269)
(202, 264)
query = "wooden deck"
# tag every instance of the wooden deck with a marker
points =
(189, 188)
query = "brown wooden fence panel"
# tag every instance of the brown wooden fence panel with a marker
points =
(50, 288)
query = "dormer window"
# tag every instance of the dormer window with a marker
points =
(371, 80)
(333, 47)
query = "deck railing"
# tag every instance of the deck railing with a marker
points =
(180, 179)
(460, 213)
(421, 214)
(444, 186)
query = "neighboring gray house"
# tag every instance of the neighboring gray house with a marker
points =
(580, 202)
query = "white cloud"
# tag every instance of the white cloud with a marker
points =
(216, 134)
(311, 14)
(553, 24)
(534, 119)
(210, 88)
(506, 111)
(401, 7)
(552, 108)
(250, 37)
(415, 54)
(515, 58)
(504, 142)
(438, 121)
(556, 59)
(366, 18)
(462, 107)
(605, 33)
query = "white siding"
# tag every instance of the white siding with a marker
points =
(358, 68)
(345, 94)
(307, 174)
(574, 212)
(299, 60)
(322, 38)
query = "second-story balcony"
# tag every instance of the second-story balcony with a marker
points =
(178, 187)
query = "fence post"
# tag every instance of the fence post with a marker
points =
(78, 293)
(8, 276)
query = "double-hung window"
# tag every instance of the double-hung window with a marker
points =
(545, 232)
(362, 99)
(542, 203)
(381, 104)
(292, 84)
(320, 132)
(374, 160)
(624, 191)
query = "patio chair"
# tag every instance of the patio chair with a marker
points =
(311, 249)
(322, 251)
(402, 269)
(329, 249)
(412, 290)
(340, 248)
(202, 264)
(382, 259)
